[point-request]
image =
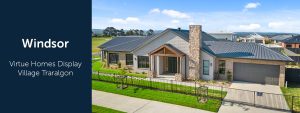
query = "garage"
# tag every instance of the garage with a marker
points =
(257, 73)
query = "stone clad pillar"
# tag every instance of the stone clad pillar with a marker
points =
(195, 66)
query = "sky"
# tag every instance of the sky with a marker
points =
(213, 15)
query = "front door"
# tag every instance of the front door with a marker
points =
(172, 65)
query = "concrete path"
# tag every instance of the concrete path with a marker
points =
(137, 105)
(273, 100)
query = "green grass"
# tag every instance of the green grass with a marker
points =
(168, 97)
(100, 109)
(98, 41)
(293, 89)
(162, 86)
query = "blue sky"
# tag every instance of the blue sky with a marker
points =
(213, 15)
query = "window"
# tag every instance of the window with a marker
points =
(206, 67)
(221, 66)
(113, 58)
(288, 46)
(143, 62)
(129, 59)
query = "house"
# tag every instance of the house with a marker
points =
(193, 55)
(278, 38)
(224, 36)
(254, 38)
(292, 42)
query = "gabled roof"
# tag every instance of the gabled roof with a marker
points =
(281, 37)
(209, 44)
(242, 50)
(294, 39)
(124, 43)
(170, 48)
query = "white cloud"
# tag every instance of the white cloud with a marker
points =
(125, 21)
(175, 14)
(132, 19)
(175, 21)
(276, 25)
(155, 10)
(251, 6)
(249, 27)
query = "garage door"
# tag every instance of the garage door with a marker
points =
(257, 73)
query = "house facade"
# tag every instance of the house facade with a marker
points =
(254, 38)
(292, 42)
(193, 55)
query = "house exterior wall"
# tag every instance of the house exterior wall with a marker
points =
(135, 65)
(230, 61)
(122, 60)
(293, 45)
(206, 56)
(167, 38)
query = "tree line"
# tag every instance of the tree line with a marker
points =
(111, 31)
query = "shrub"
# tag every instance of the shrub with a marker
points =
(229, 76)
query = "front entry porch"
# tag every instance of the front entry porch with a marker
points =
(167, 62)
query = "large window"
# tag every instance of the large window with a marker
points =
(113, 58)
(206, 67)
(221, 66)
(143, 62)
(129, 59)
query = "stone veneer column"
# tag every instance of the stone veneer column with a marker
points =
(194, 52)
(282, 76)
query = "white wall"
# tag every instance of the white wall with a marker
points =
(206, 56)
(167, 38)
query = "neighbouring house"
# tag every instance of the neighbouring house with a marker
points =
(193, 55)
(278, 38)
(292, 42)
(254, 38)
(224, 36)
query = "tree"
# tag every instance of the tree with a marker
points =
(141, 32)
(136, 32)
(130, 32)
(110, 31)
(150, 32)
(122, 33)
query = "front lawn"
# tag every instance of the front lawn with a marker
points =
(162, 96)
(161, 85)
(100, 109)
(293, 89)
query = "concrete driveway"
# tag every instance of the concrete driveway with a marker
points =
(256, 87)
(244, 92)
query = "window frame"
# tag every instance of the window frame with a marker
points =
(222, 66)
(143, 61)
(116, 59)
(129, 61)
(206, 72)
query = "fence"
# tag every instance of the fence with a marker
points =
(292, 75)
(295, 50)
(295, 58)
(253, 98)
(188, 88)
